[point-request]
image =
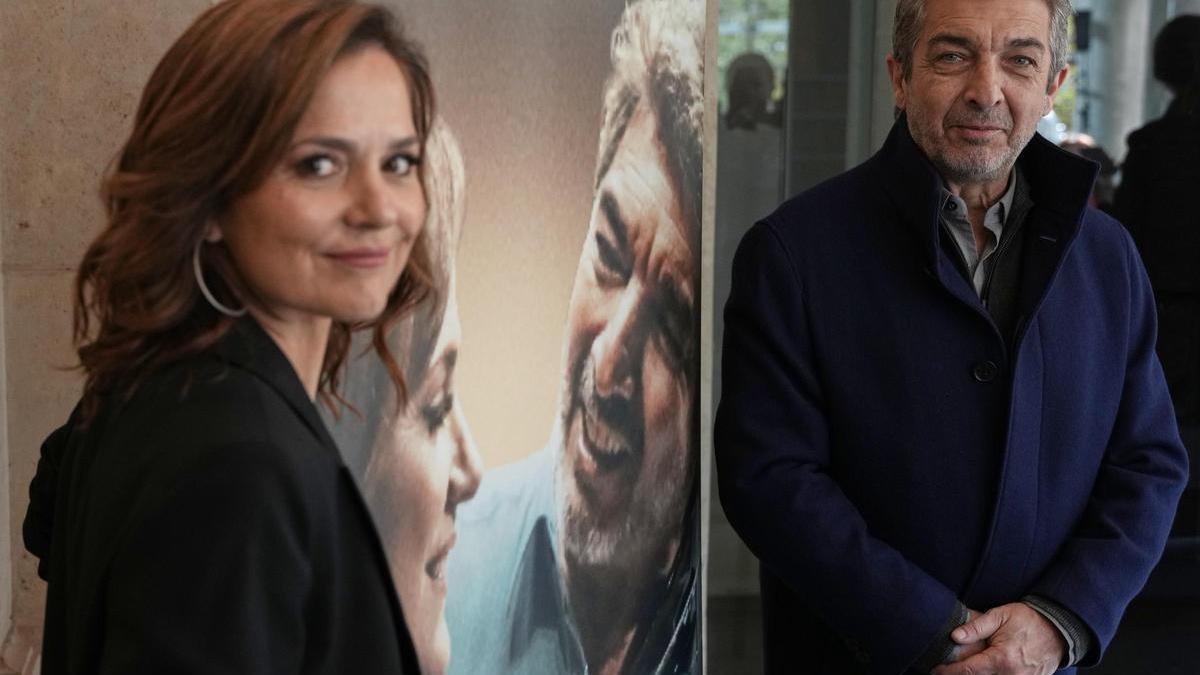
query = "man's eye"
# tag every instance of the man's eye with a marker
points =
(676, 339)
(1024, 61)
(401, 165)
(610, 266)
(950, 57)
(435, 413)
(676, 331)
(317, 166)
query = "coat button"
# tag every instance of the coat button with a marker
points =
(985, 371)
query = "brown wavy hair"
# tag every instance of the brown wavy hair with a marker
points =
(216, 116)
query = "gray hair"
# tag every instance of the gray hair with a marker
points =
(910, 19)
(658, 57)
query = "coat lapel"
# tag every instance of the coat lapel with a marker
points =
(1061, 184)
(914, 187)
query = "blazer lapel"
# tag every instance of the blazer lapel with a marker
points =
(248, 347)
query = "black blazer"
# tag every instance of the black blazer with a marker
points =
(208, 525)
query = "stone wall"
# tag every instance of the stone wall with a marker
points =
(70, 77)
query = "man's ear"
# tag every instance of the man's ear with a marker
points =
(896, 75)
(213, 232)
(1056, 83)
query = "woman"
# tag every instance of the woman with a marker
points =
(194, 515)
(417, 462)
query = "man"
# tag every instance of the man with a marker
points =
(940, 392)
(581, 558)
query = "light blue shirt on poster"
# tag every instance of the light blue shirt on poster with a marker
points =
(506, 606)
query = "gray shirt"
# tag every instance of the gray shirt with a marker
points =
(954, 218)
(507, 607)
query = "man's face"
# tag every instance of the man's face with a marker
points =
(978, 85)
(626, 466)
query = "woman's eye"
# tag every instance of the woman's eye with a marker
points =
(401, 165)
(317, 166)
(435, 413)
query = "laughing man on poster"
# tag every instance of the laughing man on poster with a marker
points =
(582, 558)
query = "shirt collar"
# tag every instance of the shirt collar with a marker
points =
(954, 209)
(541, 604)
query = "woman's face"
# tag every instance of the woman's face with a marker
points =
(329, 232)
(422, 466)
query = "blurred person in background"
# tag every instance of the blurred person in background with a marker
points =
(1157, 202)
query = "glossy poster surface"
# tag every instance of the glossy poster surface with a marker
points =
(537, 493)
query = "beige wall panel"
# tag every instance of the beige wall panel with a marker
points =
(6, 488)
(520, 85)
(75, 72)
(41, 392)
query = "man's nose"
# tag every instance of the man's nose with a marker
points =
(984, 89)
(466, 469)
(617, 349)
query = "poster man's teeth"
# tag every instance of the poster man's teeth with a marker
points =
(603, 439)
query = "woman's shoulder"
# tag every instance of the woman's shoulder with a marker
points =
(206, 397)
(205, 410)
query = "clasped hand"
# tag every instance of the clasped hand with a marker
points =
(1011, 639)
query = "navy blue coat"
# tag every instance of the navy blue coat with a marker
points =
(881, 451)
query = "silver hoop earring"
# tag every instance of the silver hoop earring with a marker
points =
(212, 300)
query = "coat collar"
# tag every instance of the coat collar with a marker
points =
(1059, 181)
(247, 346)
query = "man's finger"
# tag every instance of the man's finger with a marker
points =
(986, 662)
(979, 628)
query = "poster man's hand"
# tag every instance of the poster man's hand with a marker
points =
(1019, 641)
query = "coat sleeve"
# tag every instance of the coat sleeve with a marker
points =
(38, 527)
(213, 573)
(773, 458)
(1124, 527)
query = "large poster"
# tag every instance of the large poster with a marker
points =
(537, 493)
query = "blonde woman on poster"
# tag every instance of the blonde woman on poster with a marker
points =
(416, 462)
(582, 557)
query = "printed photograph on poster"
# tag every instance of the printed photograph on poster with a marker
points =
(537, 493)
